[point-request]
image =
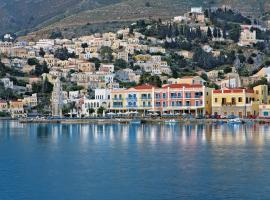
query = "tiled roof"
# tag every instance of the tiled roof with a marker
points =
(143, 87)
(183, 85)
(235, 90)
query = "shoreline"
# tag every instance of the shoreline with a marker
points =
(138, 121)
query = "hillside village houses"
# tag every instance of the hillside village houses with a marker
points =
(89, 78)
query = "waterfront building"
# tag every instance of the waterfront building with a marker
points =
(238, 102)
(172, 99)
(3, 106)
(16, 109)
(264, 111)
(57, 98)
(30, 101)
(102, 99)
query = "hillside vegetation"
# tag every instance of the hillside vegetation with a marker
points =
(74, 16)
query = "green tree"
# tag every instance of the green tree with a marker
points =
(32, 61)
(100, 111)
(96, 61)
(41, 52)
(147, 78)
(209, 32)
(234, 33)
(120, 64)
(106, 53)
(91, 111)
(227, 70)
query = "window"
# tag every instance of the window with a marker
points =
(216, 100)
(224, 101)
(164, 95)
(188, 95)
(240, 99)
(233, 101)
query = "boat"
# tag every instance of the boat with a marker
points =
(235, 121)
(136, 121)
(171, 121)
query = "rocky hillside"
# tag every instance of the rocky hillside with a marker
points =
(23, 15)
(80, 16)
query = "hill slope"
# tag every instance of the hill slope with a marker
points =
(18, 15)
(75, 16)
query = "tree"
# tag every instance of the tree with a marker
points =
(40, 69)
(63, 54)
(146, 78)
(41, 52)
(84, 45)
(100, 111)
(215, 33)
(227, 70)
(224, 33)
(234, 34)
(47, 87)
(204, 76)
(96, 61)
(263, 81)
(32, 61)
(106, 53)
(56, 34)
(91, 111)
(120, 64)
(209, 32)
(250, 60)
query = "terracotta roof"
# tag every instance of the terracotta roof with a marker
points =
(143, 87)
(183, 85)
(235, 90)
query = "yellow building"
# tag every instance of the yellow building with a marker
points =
(30, 101)
(264, 111)
(187, 80)
(3, 106)
(237, 102)
(261, 94)
(16, 109)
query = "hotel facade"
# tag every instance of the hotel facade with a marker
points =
(169, 99)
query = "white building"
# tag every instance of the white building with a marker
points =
(7, 83)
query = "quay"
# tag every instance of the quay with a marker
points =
(142, 120)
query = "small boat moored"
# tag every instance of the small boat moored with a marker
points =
(136, 121)
(171, 121)
(235, 121)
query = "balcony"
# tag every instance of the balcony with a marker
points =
(118, 99)
(131, 98)
(228, 104)
(117, 106)
(146, 98)
(132, 106)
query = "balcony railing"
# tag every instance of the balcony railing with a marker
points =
(118, 99)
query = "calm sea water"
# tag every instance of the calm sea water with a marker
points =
(140, 162)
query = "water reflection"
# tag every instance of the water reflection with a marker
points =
(167, 134)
